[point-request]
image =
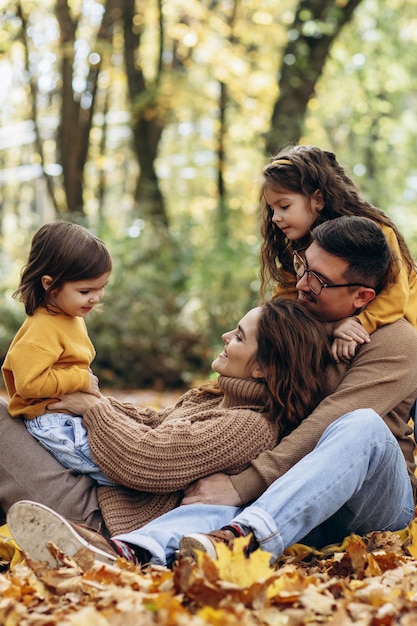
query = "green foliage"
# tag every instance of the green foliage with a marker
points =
(223, 282)
(167, 305)
(139, 335)
(364, 109)
(11, 319)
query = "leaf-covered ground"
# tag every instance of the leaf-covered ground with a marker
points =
(369, 580)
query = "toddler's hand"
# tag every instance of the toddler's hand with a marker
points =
(93, 386)
(344, 350)
(350, 329)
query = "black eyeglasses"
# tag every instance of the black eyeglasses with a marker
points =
(314, 282)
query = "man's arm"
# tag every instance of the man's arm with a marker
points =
(382, 376)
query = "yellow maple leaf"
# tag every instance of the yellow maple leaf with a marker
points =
(288, 585)
(234, 567)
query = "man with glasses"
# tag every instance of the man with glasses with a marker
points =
(314, 282)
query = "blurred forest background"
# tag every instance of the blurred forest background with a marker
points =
(149, 122)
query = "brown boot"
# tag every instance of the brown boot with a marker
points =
(189, 544)
(93, 537)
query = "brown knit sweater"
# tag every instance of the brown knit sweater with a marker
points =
(154, 454)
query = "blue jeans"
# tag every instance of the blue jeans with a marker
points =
(354, 481)
(65, 437)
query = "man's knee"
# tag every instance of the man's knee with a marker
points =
(3, 407)
(10, 427)
(363, 423)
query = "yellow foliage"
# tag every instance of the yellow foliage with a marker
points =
(236, 568)
(9, 550)
(412, 547)
(366, 580)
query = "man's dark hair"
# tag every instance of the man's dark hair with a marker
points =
(360, 242)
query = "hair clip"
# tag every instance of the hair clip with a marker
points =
(281, 162)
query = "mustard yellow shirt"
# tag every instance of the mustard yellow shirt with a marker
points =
(49, 356)
(392, 303)
(396, 300)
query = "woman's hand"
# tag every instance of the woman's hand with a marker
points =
(77, 403)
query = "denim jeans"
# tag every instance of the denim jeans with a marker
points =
(354, 481)
(65, 437)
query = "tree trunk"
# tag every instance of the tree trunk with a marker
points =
(316, 25)
(76, 121)
(223, 212)
(147, 120)
(34, 103)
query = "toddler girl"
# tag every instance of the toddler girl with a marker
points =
(51, 354)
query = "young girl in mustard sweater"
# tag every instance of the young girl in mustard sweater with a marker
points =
(51, 354)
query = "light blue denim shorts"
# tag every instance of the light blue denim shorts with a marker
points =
(65, 437)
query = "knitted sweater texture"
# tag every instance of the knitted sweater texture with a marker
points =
(155, 454)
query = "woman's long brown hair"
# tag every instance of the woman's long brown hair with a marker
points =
(293, 352)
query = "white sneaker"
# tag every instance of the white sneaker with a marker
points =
(33, 525)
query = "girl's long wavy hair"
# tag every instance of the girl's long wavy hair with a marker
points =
(293, 353)
(66, 252)
(304, 170)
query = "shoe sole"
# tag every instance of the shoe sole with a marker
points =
(189, 544)
(33, 525)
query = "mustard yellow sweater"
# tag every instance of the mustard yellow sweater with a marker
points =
(49, 356)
